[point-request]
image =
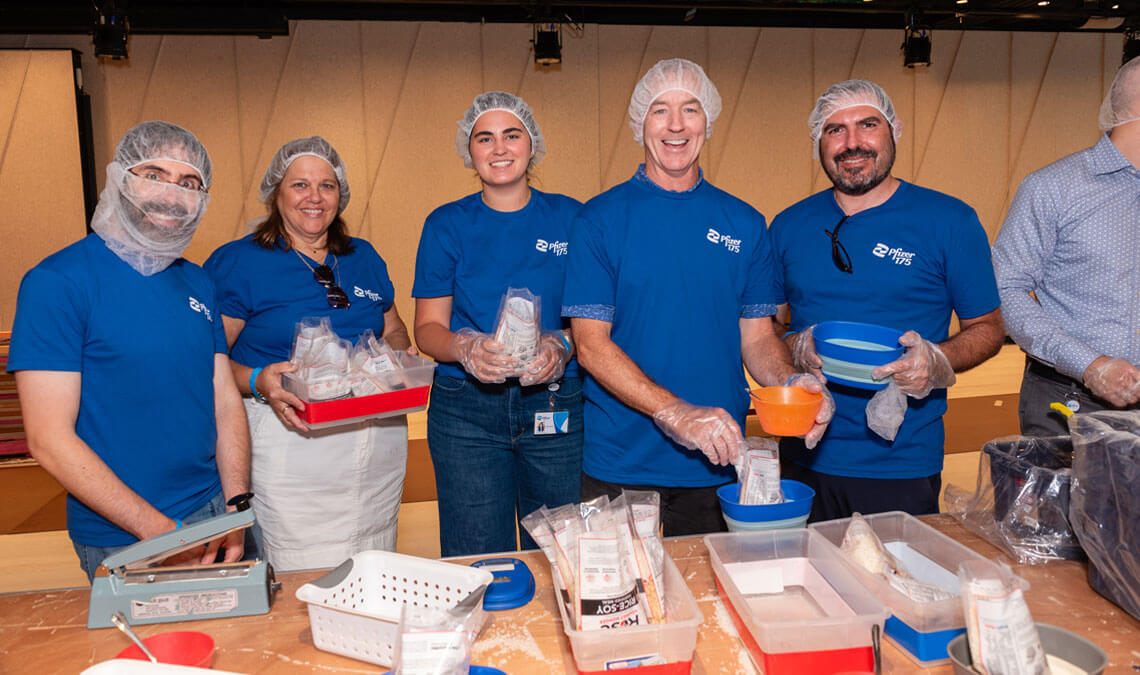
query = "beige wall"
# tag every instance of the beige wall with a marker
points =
(993, 107)
(41, 182)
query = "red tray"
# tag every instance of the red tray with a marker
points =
(345, 410)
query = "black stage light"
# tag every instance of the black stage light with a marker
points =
(110, 31)
(547, 44)
(916, 47)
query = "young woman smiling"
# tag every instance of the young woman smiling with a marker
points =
(496, 457)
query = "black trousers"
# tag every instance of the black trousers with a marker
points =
(840, 496)
(683, 510)
(1040, 386)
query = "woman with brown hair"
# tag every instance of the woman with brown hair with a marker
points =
(319, 496)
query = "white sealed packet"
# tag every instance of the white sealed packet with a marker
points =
(1003, 638)
(637, 515)
(758, 470)
(607, 591)
(518, 326)
(436, 641)
(864, 547)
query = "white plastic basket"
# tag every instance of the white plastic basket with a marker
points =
(354, 610)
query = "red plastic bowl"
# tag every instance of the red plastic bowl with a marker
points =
(179, 648)
(786, 411)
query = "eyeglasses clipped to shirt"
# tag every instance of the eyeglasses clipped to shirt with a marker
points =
(839, 254)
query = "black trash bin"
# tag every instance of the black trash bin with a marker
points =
(1105, 508)
(1031, 477)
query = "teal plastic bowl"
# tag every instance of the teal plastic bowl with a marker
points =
(850, 351)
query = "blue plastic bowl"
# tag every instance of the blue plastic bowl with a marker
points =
(851, 350)
(796, 504)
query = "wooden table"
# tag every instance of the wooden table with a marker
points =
(46, 632)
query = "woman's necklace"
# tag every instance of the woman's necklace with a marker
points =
(317, 275)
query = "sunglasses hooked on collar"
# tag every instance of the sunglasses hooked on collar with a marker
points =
(325, 276)
(839, 256)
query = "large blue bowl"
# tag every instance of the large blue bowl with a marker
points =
(796, 504)
(850, 351)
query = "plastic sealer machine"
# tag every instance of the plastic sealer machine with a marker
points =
(130, 581)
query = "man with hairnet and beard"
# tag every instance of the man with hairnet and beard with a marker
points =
(880, 250)
(668, 286)
(121, 361)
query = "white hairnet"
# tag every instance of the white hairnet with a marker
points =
(149, 223)
(849, 94)
(498, 100)
(313, 146)
(1122, 103)
(672, 75)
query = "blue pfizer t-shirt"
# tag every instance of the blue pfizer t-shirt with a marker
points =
(474, 253)
(273, 289)
(145, 349)
(674, 272)
(914, 258)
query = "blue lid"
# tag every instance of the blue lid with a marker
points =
(512, 585)
(485, 670)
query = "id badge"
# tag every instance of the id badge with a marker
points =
(550, 422)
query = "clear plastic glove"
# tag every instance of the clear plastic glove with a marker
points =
(481, 356)
(804, 355)
(922, 368)
(549, 362)
(815, 384)
(1114, 380)
(710, 430)
(886, 410)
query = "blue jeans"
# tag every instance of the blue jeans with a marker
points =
(90, 557)
(490, 467)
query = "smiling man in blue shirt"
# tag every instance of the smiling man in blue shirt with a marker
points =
(668, 286)
(877, 249)
(1071, 238)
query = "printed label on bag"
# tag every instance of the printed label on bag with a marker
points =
(608, 598)
(433, 652)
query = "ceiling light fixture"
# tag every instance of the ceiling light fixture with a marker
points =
(109, 34)
(547, 43)
(916, 40)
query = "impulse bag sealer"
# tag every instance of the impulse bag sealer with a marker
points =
(129, 582)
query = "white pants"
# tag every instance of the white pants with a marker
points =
(323, 496)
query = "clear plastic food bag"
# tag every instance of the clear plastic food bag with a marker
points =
(518, 326)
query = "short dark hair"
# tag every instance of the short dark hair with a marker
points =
(272, 230)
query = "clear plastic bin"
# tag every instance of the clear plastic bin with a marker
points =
(799, 607)
(411, 384)
(354, 610)
(921, 629)
(652, 649)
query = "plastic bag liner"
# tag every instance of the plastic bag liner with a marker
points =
(1105, 510)
(1021, 501)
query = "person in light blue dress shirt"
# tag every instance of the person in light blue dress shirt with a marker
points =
(1072, 238)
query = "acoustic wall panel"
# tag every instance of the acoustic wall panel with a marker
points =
(41, 178)
(992, 107)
